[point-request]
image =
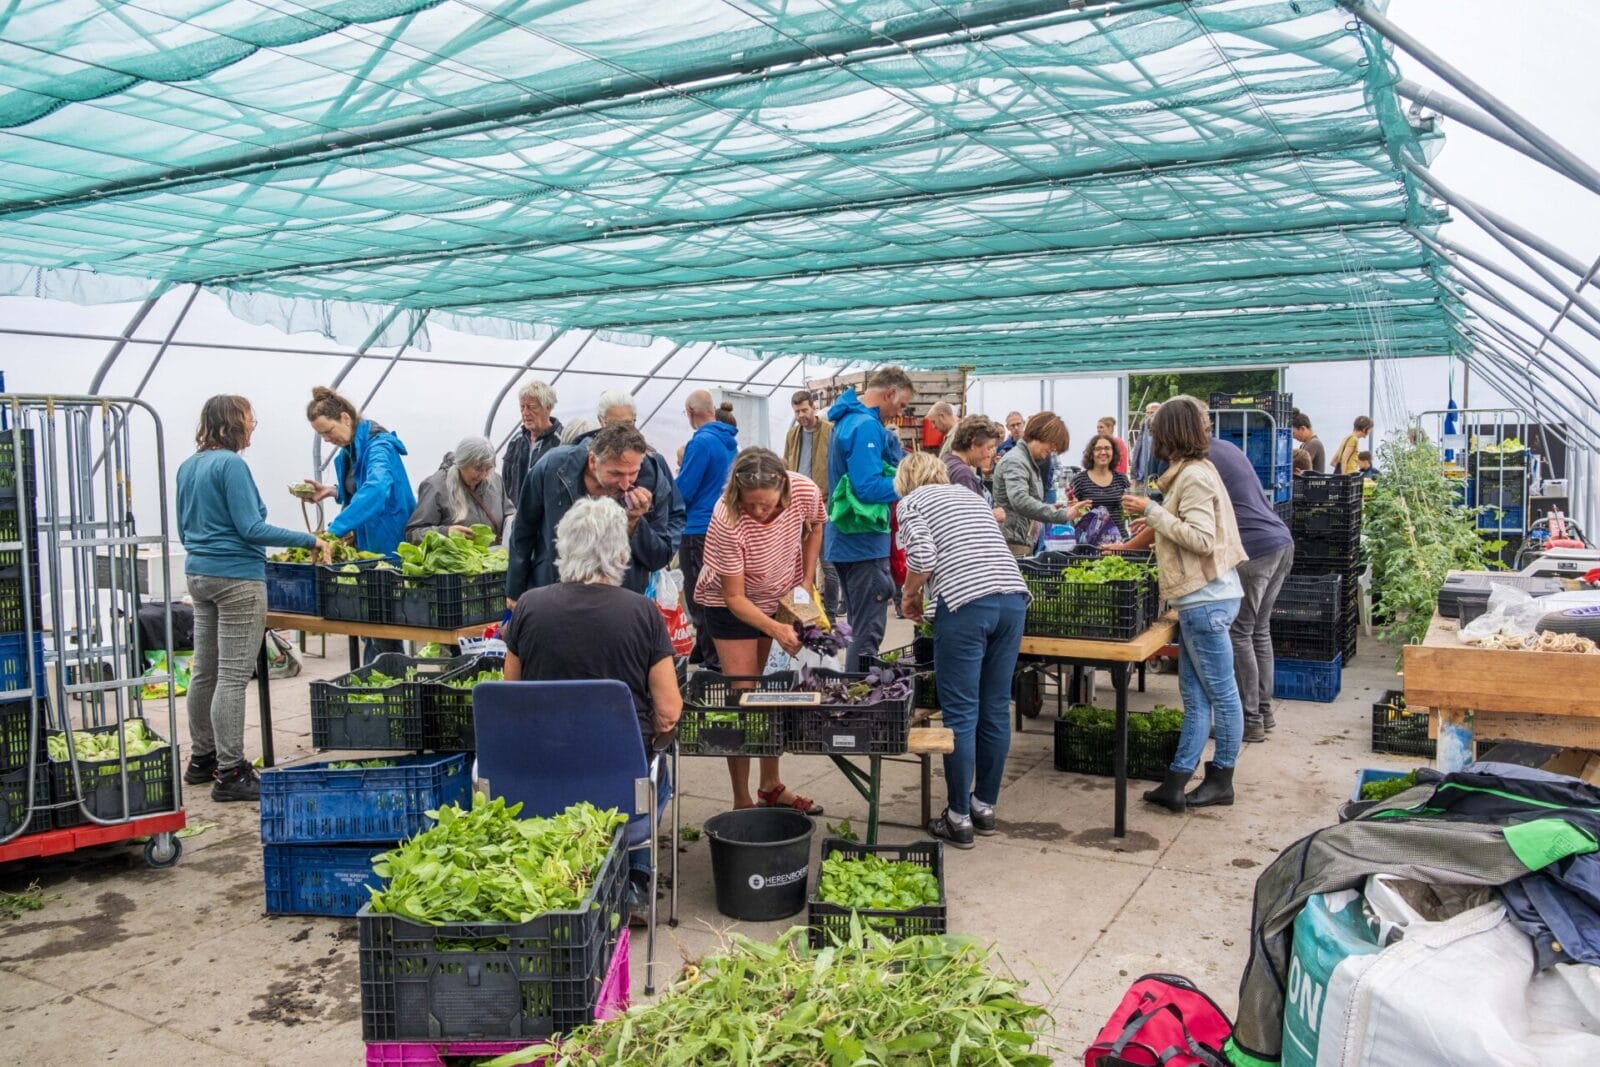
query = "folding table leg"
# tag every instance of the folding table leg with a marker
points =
(1119, 681)
(677, 826)
(355, 652)
(875, 786)
(927, 789)
(264, 691)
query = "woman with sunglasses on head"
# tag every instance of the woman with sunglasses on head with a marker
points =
(763, 542)
(1099, 483)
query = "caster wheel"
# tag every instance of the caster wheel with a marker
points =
(162, 851)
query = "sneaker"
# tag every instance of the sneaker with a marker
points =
(1254, 731)
(947, 828)
(982, 817)
(1267, 721)
(201, 769)
(236, 783)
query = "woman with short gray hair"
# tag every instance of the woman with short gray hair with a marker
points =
(616, 405)
(588, 627)
(464, 491)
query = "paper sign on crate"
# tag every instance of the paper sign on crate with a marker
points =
(753, 699)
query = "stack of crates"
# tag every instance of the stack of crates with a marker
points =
(1326, 524)
(1243, 419)
(322, 824)
(22, 682)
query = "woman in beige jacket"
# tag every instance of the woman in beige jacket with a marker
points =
(1198, 550)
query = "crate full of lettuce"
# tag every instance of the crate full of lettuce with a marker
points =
(448, 581)
(1086, 738)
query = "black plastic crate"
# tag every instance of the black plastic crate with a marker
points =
(713, 724)
(447, 710)
(1337, 489)
(14, 810)
(491, 981)
(1316, 566)
(1284, 509)
(1309, 640)
(1338, 558)
(1106, 611)
(1309, 598)
(359, 596)
(150, 785)
(849, 729)
(292, 588)
(444, 601)
(8, 466)
(1091, 749)
(830, 923)
(15, 593)
(1400, 731)
(1278, 405)
(16, 730)
(346, 716)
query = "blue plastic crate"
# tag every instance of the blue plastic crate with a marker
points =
(1307, 679)
(1506, 520)
(292, 588)
(313, 804)
(319, 880)
(14, 663)
(1372, 774)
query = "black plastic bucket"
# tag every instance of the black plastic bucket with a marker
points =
(760, 862)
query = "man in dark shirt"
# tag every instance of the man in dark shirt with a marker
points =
(1300, 427)
(537, 434)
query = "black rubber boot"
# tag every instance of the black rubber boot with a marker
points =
(1169, 794)
(1216, 789)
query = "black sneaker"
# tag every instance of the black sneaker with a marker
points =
(201, 769)
(236, 783)
(945, 830)
(982, 818)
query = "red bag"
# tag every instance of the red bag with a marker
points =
(897, 555)
(1163, 1021)
(663, 589)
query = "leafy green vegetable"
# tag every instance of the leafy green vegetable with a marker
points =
(486, 865)
(1109, 568)
(98, 747)
(688, 834)
(342, 553)
(360, 765)
(452, 554)
(432, 650)
(874, 883)
(366, 687)
(490, 674)
(1384, 788)
(1160, 719)
(843, 830)
(924, 1000)
(12, 905)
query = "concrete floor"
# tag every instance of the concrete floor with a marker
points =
(180, 966)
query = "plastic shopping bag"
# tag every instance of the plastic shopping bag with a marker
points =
(156, 666)
(663, 589)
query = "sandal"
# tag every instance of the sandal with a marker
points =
(804, 805)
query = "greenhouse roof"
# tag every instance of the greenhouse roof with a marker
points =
(1013, 185)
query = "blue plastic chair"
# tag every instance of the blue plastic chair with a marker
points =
(549, 745)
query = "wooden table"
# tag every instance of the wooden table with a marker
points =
(315, 624)
(1116, 658)
(1550, 698)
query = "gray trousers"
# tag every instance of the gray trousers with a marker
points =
(867, 590)
(230, 616)
(1251, 631)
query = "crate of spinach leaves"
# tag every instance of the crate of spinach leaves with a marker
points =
(713, 723)
(1087, 594)
(492, 927)
(376, 706)
(447, 702)
(447, 581)
(896, 890)
(1086, 741)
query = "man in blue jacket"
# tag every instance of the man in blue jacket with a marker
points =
(860, 447)
(611, 463)
(701, 479)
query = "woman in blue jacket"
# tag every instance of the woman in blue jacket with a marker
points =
(371, 484)
(223, 526)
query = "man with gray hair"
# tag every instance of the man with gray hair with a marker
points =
(538, 433)
(616, 405)
(463, 492)
(943, 418)
(614, 463)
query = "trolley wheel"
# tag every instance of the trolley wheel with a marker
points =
(162, 851)
(1028, 691)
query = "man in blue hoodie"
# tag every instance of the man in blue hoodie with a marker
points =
(702, 476)
(860, 447)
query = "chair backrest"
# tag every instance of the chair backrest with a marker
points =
(550, 745)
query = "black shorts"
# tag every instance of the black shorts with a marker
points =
(724, 624)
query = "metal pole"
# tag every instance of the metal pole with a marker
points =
(1557, 153)
(581, 346)
(1443, 246)
(499, 398)
(801, 362)
(650, 375)
(166, 343)
(349, 365)
(122, 342)
(1491, 349)
(394, 360)
(674, 388)
(1559, 257)
(1487, 125)
(1524, 317)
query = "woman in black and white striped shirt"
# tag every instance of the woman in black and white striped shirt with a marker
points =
(959, 566)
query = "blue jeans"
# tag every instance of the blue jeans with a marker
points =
(974, 655)
(1205, 678)
(867, 589)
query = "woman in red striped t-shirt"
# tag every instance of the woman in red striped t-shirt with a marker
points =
(763, 543)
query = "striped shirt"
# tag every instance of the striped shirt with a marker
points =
(950, 533)
(766, 553)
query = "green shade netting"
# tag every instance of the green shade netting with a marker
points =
(1017, 185)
